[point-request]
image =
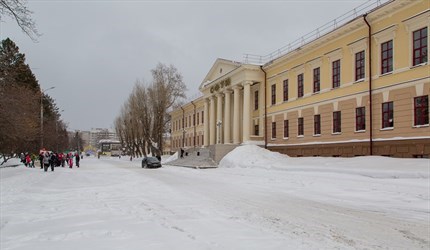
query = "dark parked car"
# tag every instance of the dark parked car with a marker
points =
(150, 162)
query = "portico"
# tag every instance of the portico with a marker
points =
(229, 89)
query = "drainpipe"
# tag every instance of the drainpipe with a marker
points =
(370, 84)
(194, 124)
(265, 107)
(183, 128)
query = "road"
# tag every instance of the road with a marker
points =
(114, 204)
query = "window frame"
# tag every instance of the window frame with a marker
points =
(317, 124)
(300, 126)
(286, 129)
(423, 110)
(273, 130)
(337, 122)
(335, 74)
(256, 100)
(421, 48)
(317, 80)
(285, 90)
(360, 119)
(390, 115)
(360, 65)
(256, 130)
(300, 86)
(273, 94)
(389, 58)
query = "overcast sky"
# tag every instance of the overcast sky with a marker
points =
(94, 51)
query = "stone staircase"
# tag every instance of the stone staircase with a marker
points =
(195, 158)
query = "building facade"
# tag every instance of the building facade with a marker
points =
(361, 89)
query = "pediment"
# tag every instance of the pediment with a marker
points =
(220, 68)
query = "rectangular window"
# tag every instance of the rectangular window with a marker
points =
(387, 57)
(359, 65)
(273, 94)
(256, 100)
(285, 90)
(198, 120)
(360, 119)
(273, 129)
(300, 129)
(300, 85)
(203, 117)
(420, 46)
(421, 110)
(286, 129)
(336, 74)
(337, 122)
(183, 122)
(317, 80)
(256, 129)
(317, 124)
(194, 119)
(387, 115)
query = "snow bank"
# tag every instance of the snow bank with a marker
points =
(170, 158)
(13, 162)
(251, 156)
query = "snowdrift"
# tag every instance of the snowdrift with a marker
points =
(252, 156)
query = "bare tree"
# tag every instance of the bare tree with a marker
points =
(167, 89)
(17, 10)
(144, 117)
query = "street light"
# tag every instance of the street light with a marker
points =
(219, 124)
(56, 127)
(41, 115)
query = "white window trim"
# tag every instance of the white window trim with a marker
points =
(413, 24)
(334, 56)
(381, 37)
(355, 47)
(297, 71)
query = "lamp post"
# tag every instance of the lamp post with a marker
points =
(56, 128)
(219, 124)
(41, 115)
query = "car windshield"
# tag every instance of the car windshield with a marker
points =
(153, 160)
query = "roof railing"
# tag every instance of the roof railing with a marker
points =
(315, 34)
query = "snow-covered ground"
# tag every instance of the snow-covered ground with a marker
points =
(256, 199)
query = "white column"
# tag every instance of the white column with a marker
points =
(246, 110)
(261, 99)
(219, 118)
(236, 114)
(212, 121)
(227, 113)
(206, 125)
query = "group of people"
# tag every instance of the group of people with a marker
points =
(28, 159)
(51, 159)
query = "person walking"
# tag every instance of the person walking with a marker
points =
(27, 160)
(77, 159)
(41, 159)
(46, 161)
(70, 160)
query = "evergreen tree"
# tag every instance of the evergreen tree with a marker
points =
(13, 69)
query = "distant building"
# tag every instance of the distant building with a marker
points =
(97, 134)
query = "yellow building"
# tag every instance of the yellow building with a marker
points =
(318, 99)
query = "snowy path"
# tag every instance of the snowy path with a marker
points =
(113, 204)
